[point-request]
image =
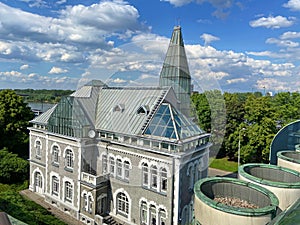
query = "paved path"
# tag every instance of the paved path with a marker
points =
(58, 213)
(220, 173)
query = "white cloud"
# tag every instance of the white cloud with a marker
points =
(12, 73)
(119, 81)
(57, 70)
(208, 38)
(273, 22)
(61, 2)
(24, 67)
(237, 80)
(293, 5)
(282, 43)
(290, 35)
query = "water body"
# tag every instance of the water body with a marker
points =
(40, 106)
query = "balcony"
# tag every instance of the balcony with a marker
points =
(94, 180)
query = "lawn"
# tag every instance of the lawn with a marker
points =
(223, 164)
(22, 209)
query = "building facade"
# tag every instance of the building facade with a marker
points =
(111, 155)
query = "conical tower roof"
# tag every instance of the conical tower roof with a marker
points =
(175, 71)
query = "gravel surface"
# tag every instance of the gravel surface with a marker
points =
(235, 202)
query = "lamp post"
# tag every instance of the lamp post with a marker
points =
(239, 147)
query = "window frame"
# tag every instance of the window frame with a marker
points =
(145, 174)
(154, 177)
(69, 158)
(55, 185)
(55, 154)
(38, 148)
(163, 173)
(122, 204)
(68, 191)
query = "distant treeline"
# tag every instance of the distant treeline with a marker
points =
(43, 95)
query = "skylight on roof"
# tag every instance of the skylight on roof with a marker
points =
(169, 123)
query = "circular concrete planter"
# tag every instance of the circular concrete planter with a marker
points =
(283, 182)
(208, 211)
(289, 159)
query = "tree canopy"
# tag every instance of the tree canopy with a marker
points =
(14, 120)
(252, 118)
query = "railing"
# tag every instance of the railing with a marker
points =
(94, 180)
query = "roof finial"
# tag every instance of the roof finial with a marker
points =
(178, 22)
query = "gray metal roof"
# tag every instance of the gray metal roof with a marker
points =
(118, 109)
(44, 117)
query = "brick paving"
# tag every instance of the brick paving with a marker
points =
(55, 211)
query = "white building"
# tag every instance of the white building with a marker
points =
(122, 155)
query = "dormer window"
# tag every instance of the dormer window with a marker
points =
(143, 109)
(119, 108)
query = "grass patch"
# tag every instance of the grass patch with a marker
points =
(23, 209)
(223, 164)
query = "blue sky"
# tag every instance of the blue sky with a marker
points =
(235, 46)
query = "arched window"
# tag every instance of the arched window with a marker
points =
(85, 202)
(104, 164)
(55, 186)
(38, 183)
(68, 191)
(145, 174)
(154, 177)
(90, 204)
(126, 170)
(55, 154)
(162, 217)
(112, 165)
(38, 148)
(69, 159)
(119, 168)
(153, 219)
(163, 179)
(122, 204)
(144, 212)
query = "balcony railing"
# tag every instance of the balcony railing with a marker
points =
(94, 180)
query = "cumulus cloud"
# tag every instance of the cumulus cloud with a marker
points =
(273, 22)
(24, 67)
(119, 81)
(282, 43)
(57, 70)
(290, 35)
(71, 37)
(293, 5)
(208, 38)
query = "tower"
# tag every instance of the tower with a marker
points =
(175, 71)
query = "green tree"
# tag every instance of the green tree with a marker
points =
(260, 127)
(14, 120)
(211, 114)
(235, 112)
(13, 169)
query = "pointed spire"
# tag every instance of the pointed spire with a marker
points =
(175, 71)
